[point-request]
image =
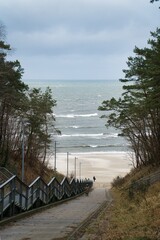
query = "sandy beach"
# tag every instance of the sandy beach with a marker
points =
(104, 166)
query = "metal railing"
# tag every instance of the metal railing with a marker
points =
(144, 182)
(4, 175)
(150, 179)
(16, 196)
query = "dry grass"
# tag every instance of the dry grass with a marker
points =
(130, 219)
(33, 171)
(135, 219)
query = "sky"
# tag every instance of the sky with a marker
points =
(76, 39)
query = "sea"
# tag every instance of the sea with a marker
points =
(77, 115)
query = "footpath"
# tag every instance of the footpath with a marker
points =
(59, 222)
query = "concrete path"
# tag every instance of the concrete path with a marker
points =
(57, 222)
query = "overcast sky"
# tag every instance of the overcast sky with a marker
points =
(77, 39)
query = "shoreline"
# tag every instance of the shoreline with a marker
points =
(105, 166)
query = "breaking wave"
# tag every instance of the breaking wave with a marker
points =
(92, 135)
(76, 115)
(81, 135)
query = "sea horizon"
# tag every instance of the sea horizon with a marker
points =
(77, 115)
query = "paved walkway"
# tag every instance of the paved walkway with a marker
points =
(57, 222)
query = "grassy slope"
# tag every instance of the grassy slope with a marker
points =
(33, 171)
(136, 218)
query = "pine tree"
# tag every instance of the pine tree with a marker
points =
(137, 112)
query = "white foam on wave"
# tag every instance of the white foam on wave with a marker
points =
(94, 146)
(110, 135)
(81, 135)
(76, 115)
(78, 126)
(95, 135)
(75, 126)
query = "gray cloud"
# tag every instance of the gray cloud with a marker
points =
(77, 34)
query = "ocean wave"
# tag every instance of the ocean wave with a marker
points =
(96, 146)
(108, 135)
(76, 127)
(73, 126)
(104, 146)
(75, 115)
(80, 127)
(81, 135)
(111, 135)
(92, 135)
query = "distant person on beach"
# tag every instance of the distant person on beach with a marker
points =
(94, 178)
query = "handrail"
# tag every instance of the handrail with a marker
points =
(4, 175)
(16, 196)
(34, 181)
(6, 172)
(6, 182)
(145, 181)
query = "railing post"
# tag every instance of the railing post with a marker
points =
(64, 188)
(20, 196)
(47, 194)
(31, 195)
(2, 202)
(26, 199)
(38, 188)
(10, 198)
(13, 193)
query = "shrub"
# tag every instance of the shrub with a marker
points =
(117, 182)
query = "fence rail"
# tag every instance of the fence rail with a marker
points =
(151, 179)
(144, 182)
(16, 196)
(4, 175)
